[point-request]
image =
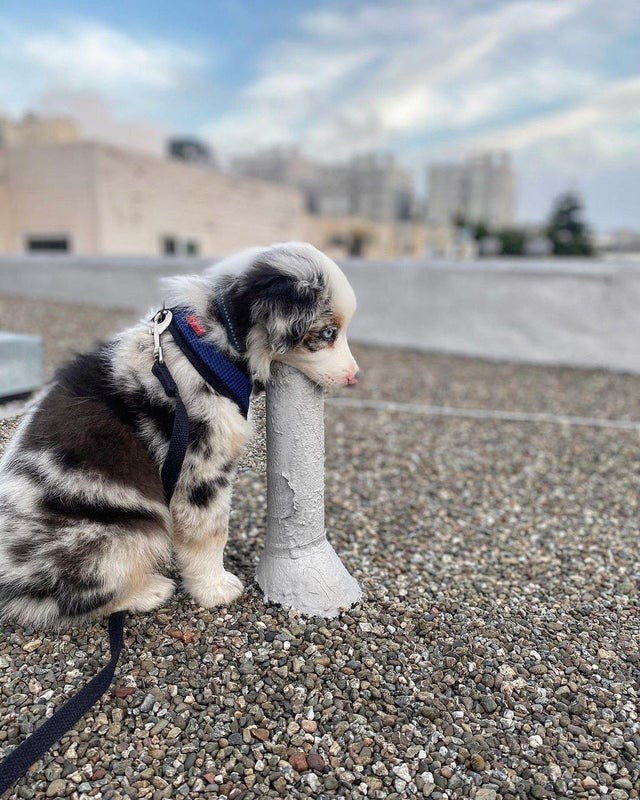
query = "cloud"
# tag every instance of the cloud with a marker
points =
(366, 76)
(88, 56)
(546, 79)
(100, 122)
(606, 123)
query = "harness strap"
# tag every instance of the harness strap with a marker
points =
(43, 738)
(218, 370)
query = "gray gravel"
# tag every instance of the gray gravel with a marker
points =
(495, 654)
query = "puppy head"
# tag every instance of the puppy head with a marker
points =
(290, 303)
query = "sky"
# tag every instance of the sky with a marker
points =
(555, 82)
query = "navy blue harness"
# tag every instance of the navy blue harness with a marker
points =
(228, 379)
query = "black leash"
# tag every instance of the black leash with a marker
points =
(43, 738)
(179, 434)
(16, 764)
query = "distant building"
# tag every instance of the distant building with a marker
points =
(193, 151)
(35, 129)
(480, 190)
(285, 165)
(88, 198)
(623, 243)
(370, 186)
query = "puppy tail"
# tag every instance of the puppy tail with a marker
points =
(50, 607)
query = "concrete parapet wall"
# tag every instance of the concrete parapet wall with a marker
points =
(575, 312)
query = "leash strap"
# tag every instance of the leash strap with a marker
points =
(43, 738)
(179, 435)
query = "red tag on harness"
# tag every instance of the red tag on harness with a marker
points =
(194, 323)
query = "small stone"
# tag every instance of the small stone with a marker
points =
(280, 785)
(402, 771)
(486, 793)
(309, 725)
(535, 741)
(261, 734)
(57, 788)
(316, 761)
(99, 773)
(589, 783)
(124, 691)
(298, 761)
(312, 781)
(477, 762)
(147, 704)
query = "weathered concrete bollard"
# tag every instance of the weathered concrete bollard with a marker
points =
(298, 567)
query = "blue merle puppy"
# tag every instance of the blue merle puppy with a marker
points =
(84, 526)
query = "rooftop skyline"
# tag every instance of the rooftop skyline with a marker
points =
(555, 82)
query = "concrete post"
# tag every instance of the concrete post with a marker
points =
(298, 567)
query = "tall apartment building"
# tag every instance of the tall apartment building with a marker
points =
(35, 129)
(371, 186)
(481, 189)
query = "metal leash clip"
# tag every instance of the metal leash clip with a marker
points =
(161, 322)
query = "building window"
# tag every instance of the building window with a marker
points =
(169, 246)
(179, 246)
(48, 244)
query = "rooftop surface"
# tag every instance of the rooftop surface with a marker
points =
(496, 653)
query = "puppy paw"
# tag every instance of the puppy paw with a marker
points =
(154, 593)
(221, 590)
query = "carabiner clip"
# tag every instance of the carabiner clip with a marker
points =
(161, 322)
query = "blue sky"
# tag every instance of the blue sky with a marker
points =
(556, 82)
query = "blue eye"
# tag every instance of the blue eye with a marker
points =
(328, 334)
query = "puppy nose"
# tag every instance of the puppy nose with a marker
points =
(352, 379)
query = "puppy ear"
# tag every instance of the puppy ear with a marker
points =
(285, 305)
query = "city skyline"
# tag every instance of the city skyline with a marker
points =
(555, 83)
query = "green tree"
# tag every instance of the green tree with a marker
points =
(569, 233)
(512, 241)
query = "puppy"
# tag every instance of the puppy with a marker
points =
(84, 525)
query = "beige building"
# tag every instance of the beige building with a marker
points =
(34, 129)
(89, 198)
(61, 194)
(344, 237)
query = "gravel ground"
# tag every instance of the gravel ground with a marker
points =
(65, 328)
(495, 653)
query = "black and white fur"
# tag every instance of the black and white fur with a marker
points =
(84, 527)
